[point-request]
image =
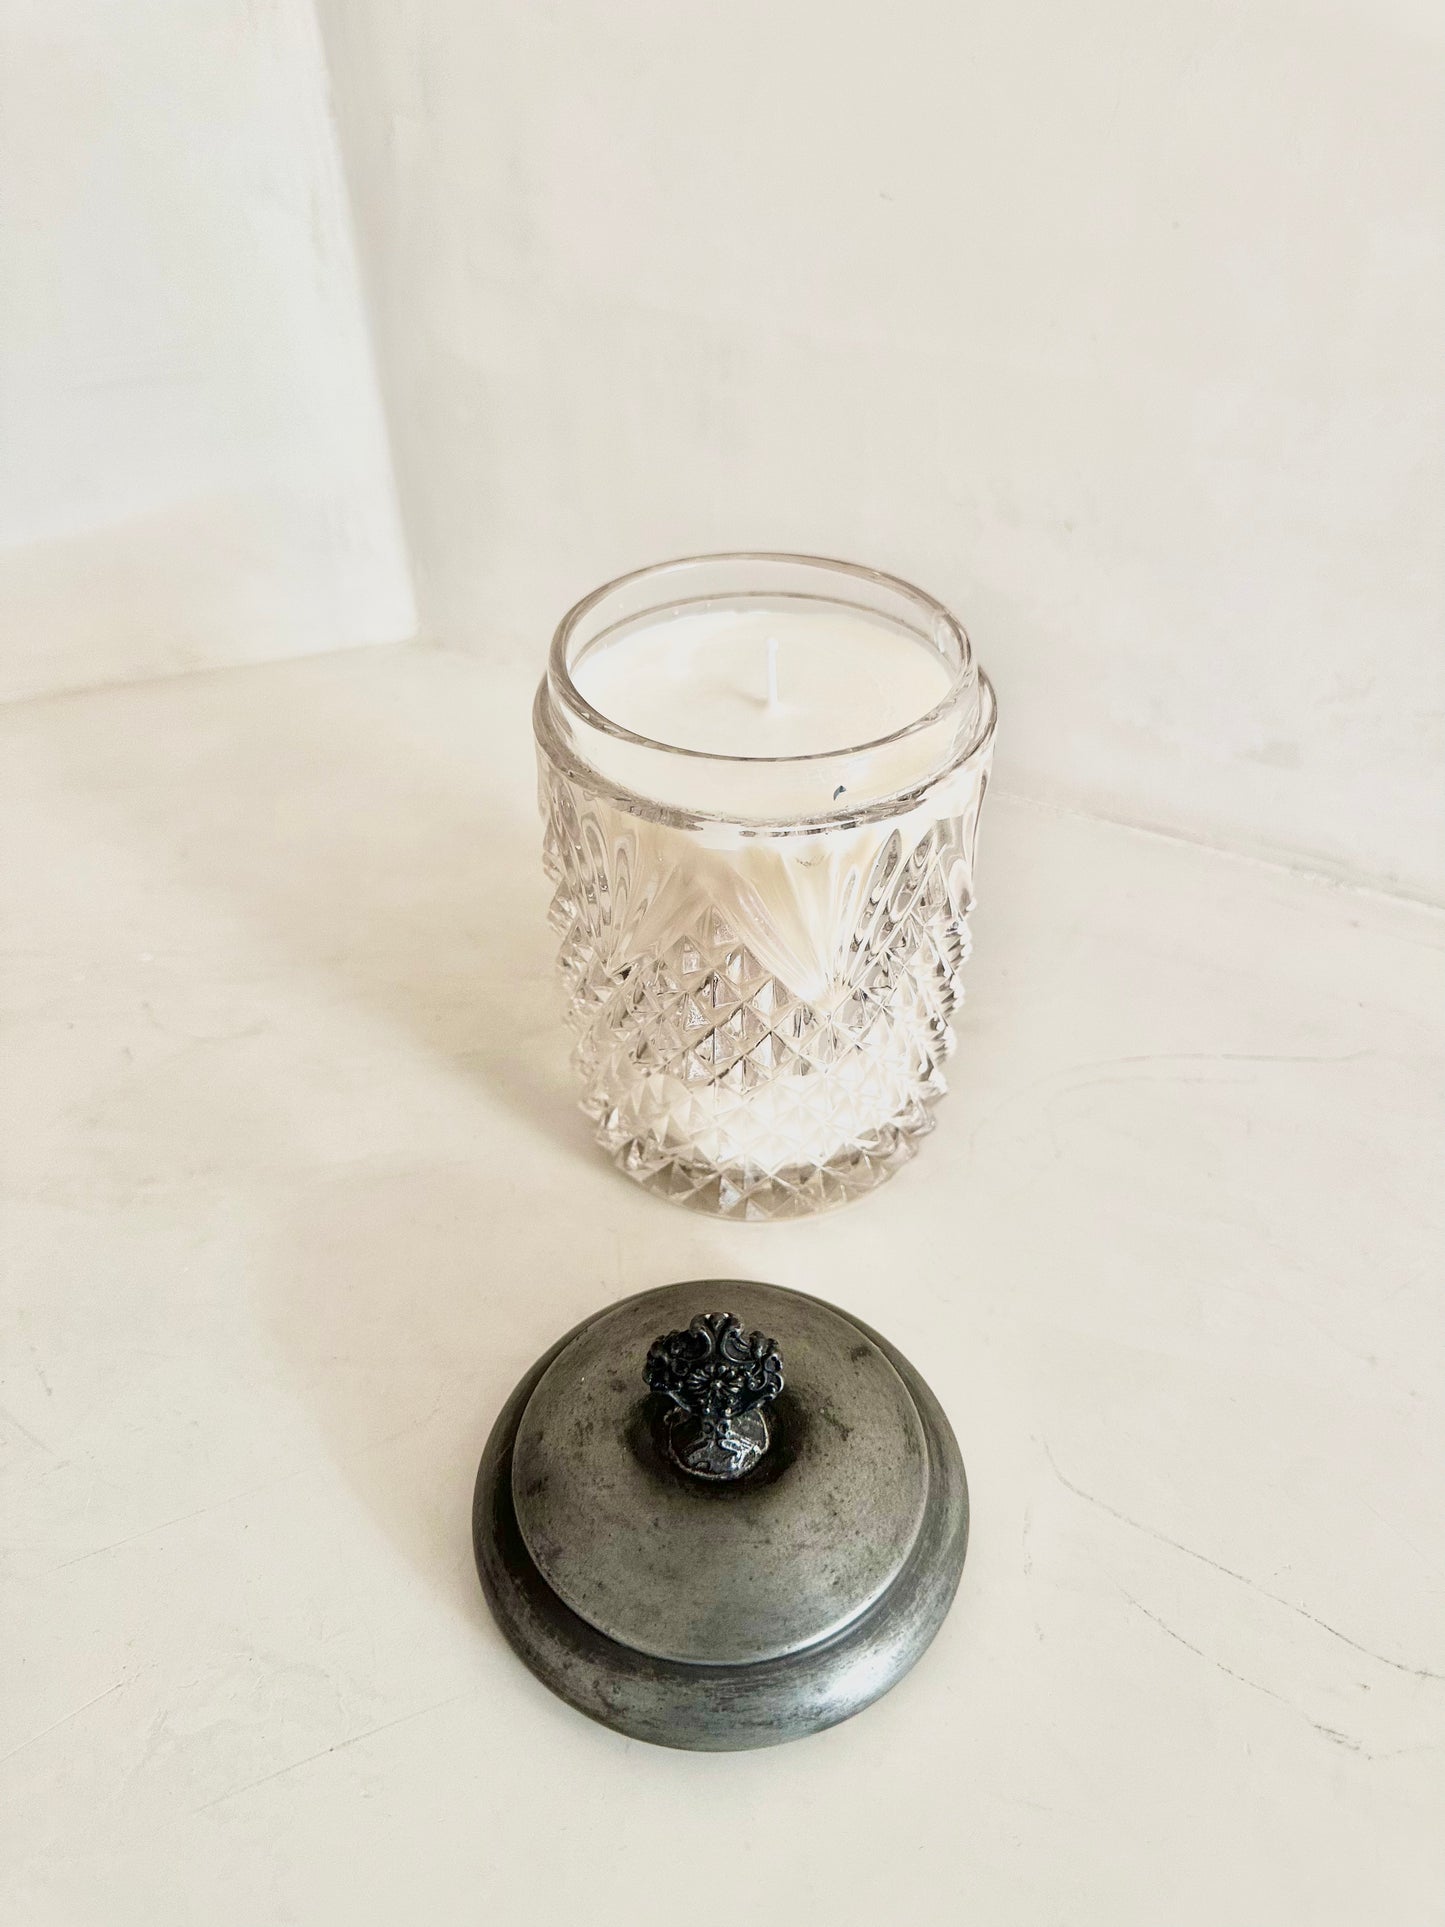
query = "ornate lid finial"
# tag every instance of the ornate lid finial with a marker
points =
(718, 1379)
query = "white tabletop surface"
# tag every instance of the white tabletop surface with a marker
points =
(294, 1191)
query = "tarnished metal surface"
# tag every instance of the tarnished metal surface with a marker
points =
(747, 1702)
(724, 1572)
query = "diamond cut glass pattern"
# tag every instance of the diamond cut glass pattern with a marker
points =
(718, 1079)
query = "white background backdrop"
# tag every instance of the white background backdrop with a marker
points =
(193, 468)
(1118, 326)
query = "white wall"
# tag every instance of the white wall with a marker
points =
(193, 468)
(1117, 324)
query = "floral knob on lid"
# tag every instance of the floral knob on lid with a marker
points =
(719, 1379)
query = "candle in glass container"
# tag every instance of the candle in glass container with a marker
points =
(761, 795)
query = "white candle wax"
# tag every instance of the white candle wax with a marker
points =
(810, 682)
(701, 680)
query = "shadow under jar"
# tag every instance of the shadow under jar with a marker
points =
(761, 777)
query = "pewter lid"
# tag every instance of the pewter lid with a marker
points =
(721, 1514)
(815, 1527)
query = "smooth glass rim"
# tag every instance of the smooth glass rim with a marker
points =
(966, 676)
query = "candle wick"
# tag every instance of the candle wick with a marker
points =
(772, 672)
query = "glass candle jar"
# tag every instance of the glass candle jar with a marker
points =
(761, 778)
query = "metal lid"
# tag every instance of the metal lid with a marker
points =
(747, 1566)
(721, 1514)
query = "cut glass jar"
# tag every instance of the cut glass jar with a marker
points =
(764, 916)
